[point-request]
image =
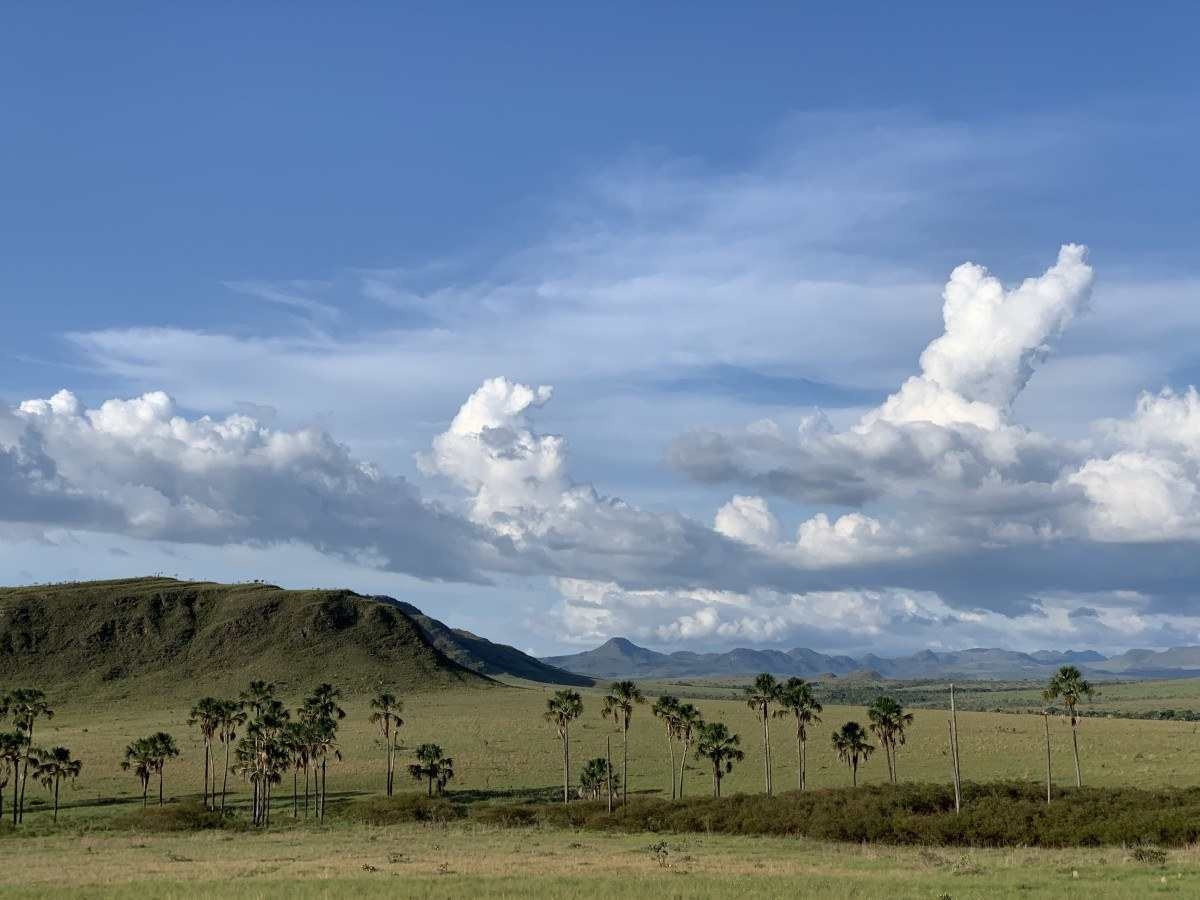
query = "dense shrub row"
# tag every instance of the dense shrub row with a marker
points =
(996, 814)
(397, 809)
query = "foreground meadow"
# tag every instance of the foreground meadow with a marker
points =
(467, 860)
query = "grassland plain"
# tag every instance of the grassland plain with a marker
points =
(501, 744)
(504, 749)
(460, 860)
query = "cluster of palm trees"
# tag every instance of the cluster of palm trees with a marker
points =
(714, 743)
(19, 758)
(266, 741)
(147, 757)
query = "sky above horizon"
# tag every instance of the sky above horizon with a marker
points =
(707, 327)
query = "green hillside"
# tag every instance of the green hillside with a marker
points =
(122, 638)
(489, 658)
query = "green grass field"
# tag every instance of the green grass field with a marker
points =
(463, 860)
(503, 748)
(500, 744)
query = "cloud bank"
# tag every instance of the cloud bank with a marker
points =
(935, 513)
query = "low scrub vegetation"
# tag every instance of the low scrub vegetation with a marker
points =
(1001, 814)
(173, 817)
(400, 808)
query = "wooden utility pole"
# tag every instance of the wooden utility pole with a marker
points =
(954, 753)
(1046, 723)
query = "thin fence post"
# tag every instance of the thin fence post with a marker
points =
(954, 753)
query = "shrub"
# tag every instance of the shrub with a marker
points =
(173, 817)
(1001, 814)
(400, 808)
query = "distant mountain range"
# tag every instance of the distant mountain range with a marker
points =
(618, 657)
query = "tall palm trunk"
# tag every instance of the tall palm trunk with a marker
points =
(56, 783)
(387, 737)
(1075, 748)
(854, 773)
(225, 779)
(305, 788)
(207, 766)
(324, 785)
(145, 790)
(766, 750)
(295, 792)
(566, 736)
(716, 780)
(683, 765)
(800, 753)
(671, 747)
(1046, 723)
(160, 786)
(625, 762)
(25, 771)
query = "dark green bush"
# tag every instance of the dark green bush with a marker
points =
(401, 808)
(172, 817)
(1002, 814)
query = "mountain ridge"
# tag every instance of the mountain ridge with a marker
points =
(103, 637)
(620, 656)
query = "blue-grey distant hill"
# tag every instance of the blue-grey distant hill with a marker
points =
(621, 657)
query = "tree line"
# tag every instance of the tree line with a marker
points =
(716, 746)
(257, 737)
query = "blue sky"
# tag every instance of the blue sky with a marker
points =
(689, 221)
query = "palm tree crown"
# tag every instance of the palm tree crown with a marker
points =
(1069, 685)
(852, 747)
(796, 699)
(759, 697)
(888, 722)
(619, 702)
(721, 748)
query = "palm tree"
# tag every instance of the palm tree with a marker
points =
(759, 697)
(688, 723)
(435, 767)
(387, 717)
(205, 715)
(294, 742)
(594, 777)
(852, 747)
(141, 756)
(323, 715)
(257, 696)
(12, 747)
(889, 721)
(231, 718)
(25, 705)
(666, 708)
(721, 748)
(618, 705)
(561, 710)
(164, 748)
(796, 699)
(53, 766)
(1069, 684)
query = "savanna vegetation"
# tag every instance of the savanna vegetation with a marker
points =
(266, 760)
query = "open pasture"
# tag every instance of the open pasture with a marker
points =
(502, 746)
